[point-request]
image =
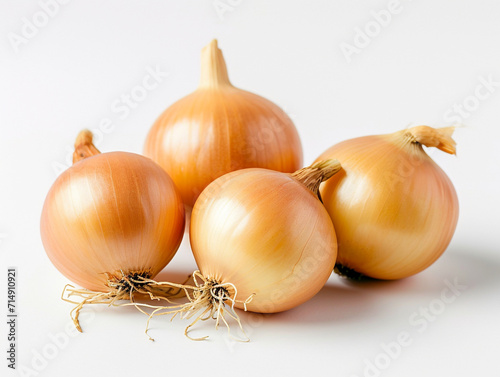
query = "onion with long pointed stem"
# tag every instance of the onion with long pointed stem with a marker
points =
(218, 129)
(110, 223)
(394, 209)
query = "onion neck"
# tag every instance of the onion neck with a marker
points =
(312, 176)
(439, 138)
(213, 67)
(84, 146)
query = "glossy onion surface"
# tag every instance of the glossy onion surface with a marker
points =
(111, 212)
(267, 234)
(218, 129)
(393, 208)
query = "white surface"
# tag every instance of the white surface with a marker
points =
(430, 56)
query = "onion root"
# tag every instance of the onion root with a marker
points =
(217, 300)
(123, 286)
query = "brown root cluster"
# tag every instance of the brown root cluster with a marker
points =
(122, 286)
(213, 299)
(207, 299)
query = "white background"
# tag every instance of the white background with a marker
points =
(429, 57)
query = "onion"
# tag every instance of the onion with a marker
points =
(218, 129)
(264, 236)
(393, 208)
(110, 223)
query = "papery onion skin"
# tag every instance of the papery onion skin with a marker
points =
(394, 209)
(108, 213)
(218, 129)
(265, 233)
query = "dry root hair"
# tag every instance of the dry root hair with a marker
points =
(215, 301)
(123, 286)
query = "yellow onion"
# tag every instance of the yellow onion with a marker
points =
(111, 222)
(394, 209)
(218, 129)
(262, 241)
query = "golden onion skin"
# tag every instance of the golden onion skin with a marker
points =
(218, 129)
(111, 212)
(393, 208)
(267, 234)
